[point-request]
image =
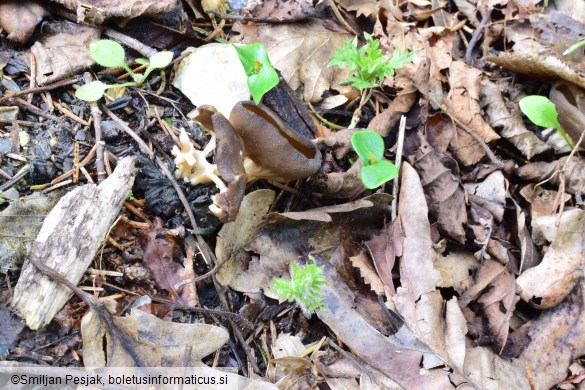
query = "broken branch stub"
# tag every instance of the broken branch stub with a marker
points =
(68, 241)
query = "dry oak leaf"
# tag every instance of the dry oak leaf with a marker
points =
(301, 53)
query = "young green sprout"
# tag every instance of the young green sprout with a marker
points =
(369, 146)
(304, 286)
(542, 112)
(110, 54)
(367, 66)
(261, 75)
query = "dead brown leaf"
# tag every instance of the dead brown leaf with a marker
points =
(24, 215)
(507, 120)
(462, 103)
(142, 339)
(161, 255)
(561, 269)
(301, 53)
(557, 339)
(362, 263)
(417, 273)
(260, 248)
(19, 18)
(574, 173)
(398, 361)
(384, 249)
(538, 46)
(281, 9)
(96, 11)
(442, 190)
(62, 51)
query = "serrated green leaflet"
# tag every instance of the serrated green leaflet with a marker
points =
(369, 146)
(374, 175)
(261, 75)
(91, 92)
(107, 53)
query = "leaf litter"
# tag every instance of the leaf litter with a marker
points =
(477, 281)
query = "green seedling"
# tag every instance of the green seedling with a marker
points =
(304, 286)
(367, 66)
(369, 146)
(261, 75)
(110, 54)
(574, 47)
(542, 112)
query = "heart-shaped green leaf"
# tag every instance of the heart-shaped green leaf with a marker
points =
(261, 75)
(91, 92)
(369, 146)
(376, 174)
(161, 59)
(107, 53)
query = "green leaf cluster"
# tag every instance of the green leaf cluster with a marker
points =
(542, 112)
(369, 146)
(304, 286)
(110, 54)
(367, 66)
(261, 75)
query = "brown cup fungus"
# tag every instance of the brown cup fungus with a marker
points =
(253, 144)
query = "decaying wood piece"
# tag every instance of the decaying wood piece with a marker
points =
(68, 241)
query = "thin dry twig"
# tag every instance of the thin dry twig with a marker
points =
(45, 88)
(100, 145)
(396, 184)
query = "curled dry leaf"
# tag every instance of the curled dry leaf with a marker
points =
(462, 103)
(162, 252)
(456, 269)
(417, 273)
(532, 55)
(143, 340)
(362, 263)
(557, 340)
(489, 194)
(496, 291)
(569, 101)
(384, 248)
(19, 18)
(507, 121)
(62, 51)
(400, 362)
(443, 192)
(233, 236)
(574, 173)
(96, 11)
(561, 269)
